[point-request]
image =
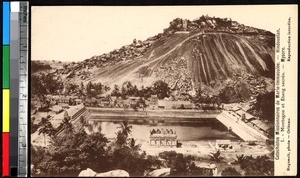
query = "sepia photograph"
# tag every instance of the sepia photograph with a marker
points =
(152, 91)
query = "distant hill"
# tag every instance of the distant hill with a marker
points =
(207, 53)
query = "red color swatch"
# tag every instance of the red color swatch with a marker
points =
(5, 152)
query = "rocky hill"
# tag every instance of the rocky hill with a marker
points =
(207, 53)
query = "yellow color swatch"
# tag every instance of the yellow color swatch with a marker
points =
(6, 110)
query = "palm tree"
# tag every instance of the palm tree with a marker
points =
(82, 121)
(66, 123)
(123, 133)
(240, 160)
(46, 128)
(216, 156)
(125, 128)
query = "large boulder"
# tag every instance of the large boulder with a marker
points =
(160, 172)
(114, 173)
(87, 173)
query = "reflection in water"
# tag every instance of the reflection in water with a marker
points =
(184, 131)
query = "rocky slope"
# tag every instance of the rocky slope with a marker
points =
(205, 53)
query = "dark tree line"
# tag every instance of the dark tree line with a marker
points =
(37, 66)
(264, 106)
(43, 84)
(182, 165)
(159, 88)
(258, 166)
(237, 93)
(95, 89)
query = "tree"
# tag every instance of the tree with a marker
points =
(264, 106)
(116, 91)
(81, 89)
(123, 133)
(82, 120)
(141, 92)
(123, 93)
(168, 156)
(134, 91)
(127, 90)
(33, 127)
(53, 84)
(94, 89)
(161, 89)
(235, 93)
(197, 171)
(132, 142)
(89, 89)
(141, 102)
(240, 160)
(37, 87)
(182, 165)
(132, 161)
(146, 92)
(66, 123)
(46, 128)
(94, 152)
(230, 171)
(260, 165)
(42, 84)
(72, 152)
(72, 88)
(216, 156)
(179, 166)
(38, 66)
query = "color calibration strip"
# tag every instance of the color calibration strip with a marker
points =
(15, 89)
(6, 90)
(22, 95)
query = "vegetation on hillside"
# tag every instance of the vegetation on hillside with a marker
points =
(264, 106)
(159, 88)
(39, 66)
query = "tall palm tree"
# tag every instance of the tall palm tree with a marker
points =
(123, 133)
(216, 156)
(46, 128)
(125, 128)
(241, 160)
(66, 123)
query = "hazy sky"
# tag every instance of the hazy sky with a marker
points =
(75, 33)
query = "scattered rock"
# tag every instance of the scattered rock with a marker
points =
(114, 173)
(87, 173)
(164, 172)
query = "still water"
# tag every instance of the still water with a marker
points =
(185, 131)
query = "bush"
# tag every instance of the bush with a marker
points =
(182, 165)
(260, 165)
(230, 172)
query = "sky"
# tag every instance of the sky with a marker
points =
(76, 33)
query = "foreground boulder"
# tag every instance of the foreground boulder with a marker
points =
(87, 173)
(114, 173)
(160, 172)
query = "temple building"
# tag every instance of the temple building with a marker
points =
(163, 137)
